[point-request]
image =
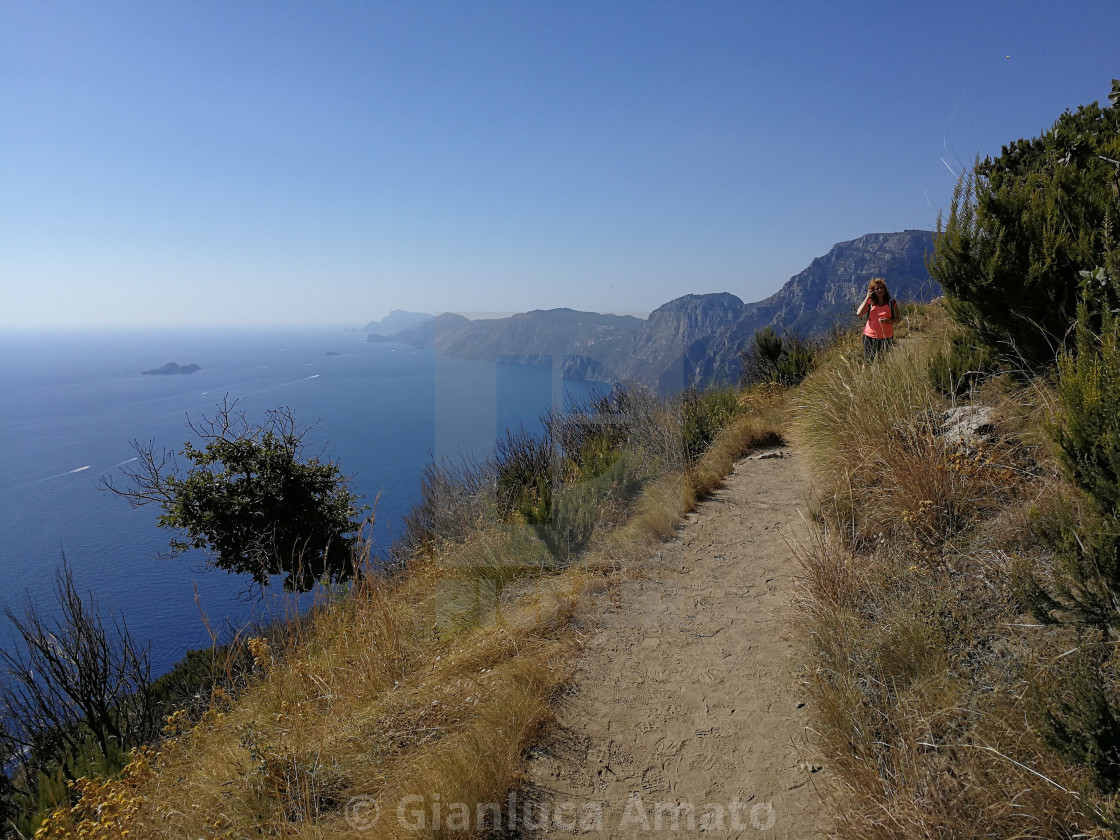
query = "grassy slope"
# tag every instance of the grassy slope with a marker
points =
(920, 656)
(433, 682)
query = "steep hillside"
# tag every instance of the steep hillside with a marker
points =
(677, 337)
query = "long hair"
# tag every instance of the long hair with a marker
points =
(879, 281)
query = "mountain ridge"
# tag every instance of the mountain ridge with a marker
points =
(694, 338)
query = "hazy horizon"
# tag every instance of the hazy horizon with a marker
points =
(354, 326)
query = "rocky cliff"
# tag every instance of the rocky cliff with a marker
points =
(826, 294)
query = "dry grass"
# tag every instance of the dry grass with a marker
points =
(425, 688)
(873, 433)
(918, 657)
(383, 698)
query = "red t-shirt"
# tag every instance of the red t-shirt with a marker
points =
(873, 328)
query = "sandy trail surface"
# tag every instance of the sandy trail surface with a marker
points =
(686, 714)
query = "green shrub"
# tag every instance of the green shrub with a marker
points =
(785, 359)
(1078, 715)
(703, 414)
(1085, 585)
(1020, 228)
(580, 507)
(524, 474)
(1089, 391)
(590, 430)
(1080, 712)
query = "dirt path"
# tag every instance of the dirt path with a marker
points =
(685, 704)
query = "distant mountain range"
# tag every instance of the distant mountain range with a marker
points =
(695, 338)
(395, 321)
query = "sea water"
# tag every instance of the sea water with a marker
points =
(72, 404)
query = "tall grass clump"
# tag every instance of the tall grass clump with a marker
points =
(877, 448)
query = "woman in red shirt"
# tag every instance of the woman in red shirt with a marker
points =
(882, 314)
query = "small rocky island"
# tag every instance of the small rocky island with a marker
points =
(172, 368)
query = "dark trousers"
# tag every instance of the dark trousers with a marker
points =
(873, 347)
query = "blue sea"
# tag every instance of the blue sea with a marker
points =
(71, 403)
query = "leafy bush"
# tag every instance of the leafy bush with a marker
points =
(1079, 702)
(1085, 586)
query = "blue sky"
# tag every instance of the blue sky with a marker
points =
(214, 163)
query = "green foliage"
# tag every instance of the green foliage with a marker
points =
(523, 467)
(1029, 263)
(954, 372)
(768, 346)
(785, 359)
(191, 682)
(703, 414)
(1086, 584)
(597, 455)
(1080, 716)
(593, 427)
(1089, 391)
(252, 500)
(1022, 226)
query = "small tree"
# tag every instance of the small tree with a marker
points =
(251, 499)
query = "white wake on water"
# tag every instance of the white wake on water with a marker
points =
(62, 474)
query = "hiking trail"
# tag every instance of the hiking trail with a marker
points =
(685, 704)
